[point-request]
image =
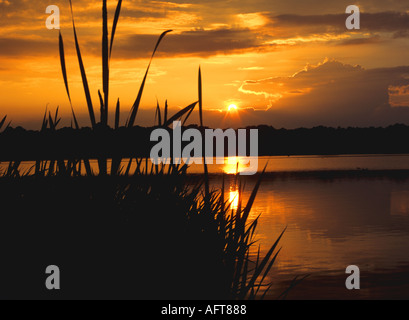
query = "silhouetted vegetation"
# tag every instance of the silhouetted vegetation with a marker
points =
(68, 143)
(144, 233)
(334, 141)
(151, 235)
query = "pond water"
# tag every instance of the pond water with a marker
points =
(332, 221)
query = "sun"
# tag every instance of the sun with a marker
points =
(232, 107)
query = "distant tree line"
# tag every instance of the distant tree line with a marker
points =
(67, 143)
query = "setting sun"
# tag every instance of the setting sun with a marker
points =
(232, 107)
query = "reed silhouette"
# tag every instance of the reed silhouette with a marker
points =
(131, 232)
(2, 123)
(151, 235)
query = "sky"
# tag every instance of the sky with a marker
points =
(282, 63)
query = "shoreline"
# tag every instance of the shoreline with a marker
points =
(323, 174)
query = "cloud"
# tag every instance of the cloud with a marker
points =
(202, 28)
(360, 41)
(251, 68)
(23, 29)
(26, 47)
(196, 42)
(391, 22)
(334, 94)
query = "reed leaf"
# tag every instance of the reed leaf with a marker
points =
(77, 127)
(103, 166)
(8, 125)
(187, 117)
(2, 122)
(50, 119)
(200, 97)
(105, 63)
(267, 270)
(56, 120)
(63, 66)
(206, 171)
(135, 107)
(247, 209)
(115, 166)
(116, 18)
(128, 168)
(117, 114)
(116, 161)
(293, 284)
(158, 115)
(45, 121)
(180, 114)
(64, 74)
(83, 73)
(101, 102)
(263, 263)
(266, 291)
(87, 166)
(166, 111)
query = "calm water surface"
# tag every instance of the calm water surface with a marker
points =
(281, 164)
(332, 222)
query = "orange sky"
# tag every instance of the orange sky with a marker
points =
(283, 63)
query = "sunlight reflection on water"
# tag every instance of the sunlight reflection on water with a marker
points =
(277, 164)
(331, 223)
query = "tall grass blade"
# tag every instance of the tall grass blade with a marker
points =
(247, 209)
(115, 166)
(180, 114)
(128, 168)
(102, 162)
(187, 117)
(101, 102)
(105, 62)
(267, 270)
(293, 284)
(50, 119)
(88, 169)
(206, 171)
(56, 120)
(117, 114)
(64, 74)
(116, 18)
(63, 66)
(103, 167)
(83, 74)
(45, 121)
(135, 107)
(77, 127)
(264, 262)
(200, 97)
(166, 112)
(158, 115)
(116, 161)
(2, 122)
(265, 292)
(8, 125)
